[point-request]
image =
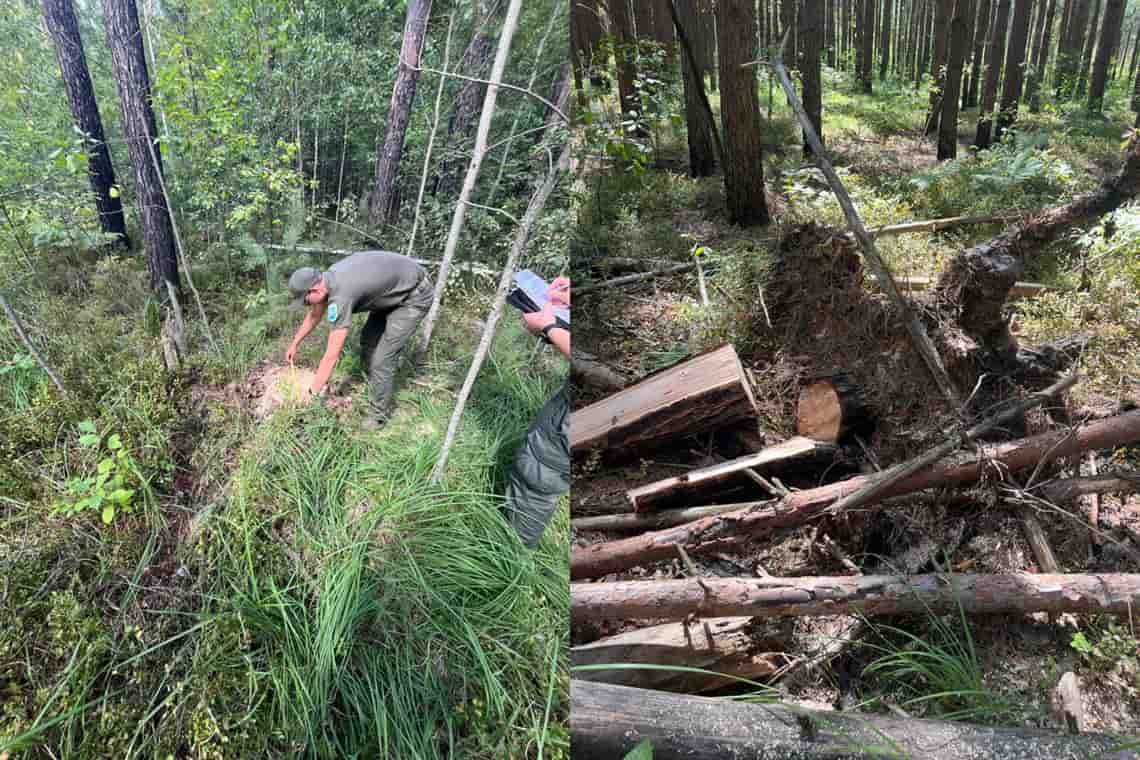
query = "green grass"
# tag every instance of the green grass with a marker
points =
(313, 595)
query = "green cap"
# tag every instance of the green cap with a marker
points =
(300, 282)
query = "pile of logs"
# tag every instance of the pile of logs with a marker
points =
(716, 631)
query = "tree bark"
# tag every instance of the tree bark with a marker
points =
(810, 74)
(704, 393)
(1041, 59)
(718, 532)
(866, 33)
(59, 15)
(705, 480)
(740, 113)
(994, 55)
(128, 65)
(981, 29)
(382, 209)
(976, 283)
(942, 13)
(1110, 33)
(1072, 43)
(640, 522)
(1087, 55)
(478, 153)
(467, 100)
(870, 595)
(663, 28)
(702, 160)
(608, 721)
(729, 648)
(587, 369)
(885, 40)
(956, 56)
(625, 45)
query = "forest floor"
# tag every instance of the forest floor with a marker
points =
(278, 580)
(1009, 664)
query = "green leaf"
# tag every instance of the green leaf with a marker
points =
(643, 751)
(108, 514)
(122, 496)
(88, 440)
(87, 426)
(114, 191)
(114, 442)
(106, 466)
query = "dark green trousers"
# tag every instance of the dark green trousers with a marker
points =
(384, 336)
(541, 474)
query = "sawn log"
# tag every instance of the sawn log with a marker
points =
(659, 494)
(703, 393)
(722, 531)
(607, 721)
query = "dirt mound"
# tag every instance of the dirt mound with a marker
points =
(271, 386)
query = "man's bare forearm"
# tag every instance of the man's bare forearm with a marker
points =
(561, 340)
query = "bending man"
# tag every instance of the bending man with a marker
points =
(394, 290)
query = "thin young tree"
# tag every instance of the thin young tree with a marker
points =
(1040, 58)
(740, 113)
(955, 59)
(59, 16)
(1014, 71)
(943, 9)
(510, 23)
(381, 206)
(811, 38)
(1087, 55)
(994, 55)
(1110, 32)
(981, 29)
(128, 66)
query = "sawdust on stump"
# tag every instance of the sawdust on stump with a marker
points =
(276, 386)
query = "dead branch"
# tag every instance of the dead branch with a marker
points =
(18, 327)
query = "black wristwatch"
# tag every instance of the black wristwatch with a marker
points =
(546, 331)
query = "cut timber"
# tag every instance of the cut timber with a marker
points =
(729, 646)
(870, 595)
(704, 393)
(830, 408)
(608, 721)
(659, 494)
(724, 531)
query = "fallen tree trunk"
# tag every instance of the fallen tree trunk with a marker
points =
(608, 721)
(1061, 491)
(704, 393)
(729, 646)
(632, 521)
(1017, 290)
(661, 493)
(975, 285)
(723, 531)
(870, 595)
(586, 369)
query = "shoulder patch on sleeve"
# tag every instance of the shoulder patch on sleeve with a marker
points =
(332, 312)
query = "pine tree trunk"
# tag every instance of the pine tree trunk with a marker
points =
(1041, 59)
(621, 27)
(981, 29)
(994, 55)
(1134, 105)
(59, 15)
(1014, 71)
(702, 159)
(884, 41)
(924, 43)
(812, 38)
(788, 21)
(1110, 31)
(706, 23)
(865, 44)
(1072, 43)
(128, 65)
(740, 113)
(382, 206)
(1087, 55)
(467, 100)
(663, 28)
(955, 58)
(943, 9)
